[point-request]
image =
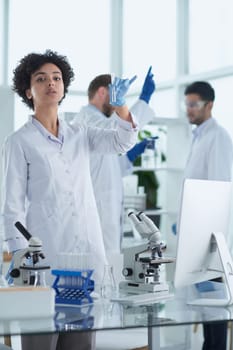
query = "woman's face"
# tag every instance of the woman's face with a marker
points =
(47, 87)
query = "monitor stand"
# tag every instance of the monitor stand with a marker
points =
(227, 264)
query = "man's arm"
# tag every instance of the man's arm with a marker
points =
(117, 91)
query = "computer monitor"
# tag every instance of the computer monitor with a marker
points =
(203, 224)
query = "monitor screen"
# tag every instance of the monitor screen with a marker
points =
(205, 208)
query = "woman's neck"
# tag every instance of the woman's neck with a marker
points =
(49, 119)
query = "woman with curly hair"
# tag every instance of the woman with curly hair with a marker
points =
(46, 176)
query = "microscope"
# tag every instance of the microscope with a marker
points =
(27, 269)
(142, 262)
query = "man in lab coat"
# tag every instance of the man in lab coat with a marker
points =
(107, 170)
(210, 158)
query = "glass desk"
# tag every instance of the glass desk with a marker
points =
(111, 316)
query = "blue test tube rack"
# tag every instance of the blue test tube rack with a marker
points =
(73, 286)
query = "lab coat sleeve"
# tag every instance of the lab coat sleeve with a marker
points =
(143, 113)
(89, 117)
(118, 140)
(14, 183)
(104, 122)
(220, 157)
(126, 165)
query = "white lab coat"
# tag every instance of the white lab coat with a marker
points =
(107, 171)
(211, 153)
(50, 190)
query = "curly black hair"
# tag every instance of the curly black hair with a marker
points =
(31, 63)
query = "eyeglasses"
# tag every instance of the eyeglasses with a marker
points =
(193, 105)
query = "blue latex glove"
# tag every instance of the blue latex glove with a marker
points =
(118, 90)
(151, 142)
(148, 87)
(138, 149)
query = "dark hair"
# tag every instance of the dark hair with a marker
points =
(31, 63)
(201, 88)
(97, 82)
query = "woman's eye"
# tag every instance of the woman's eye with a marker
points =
(40, 79)
(57, 78)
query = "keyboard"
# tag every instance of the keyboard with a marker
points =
(142, 299)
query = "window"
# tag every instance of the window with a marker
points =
(210, 35)
(163, 103)
(223, 109)
(149, 38)
(22, 113)
(78, 29)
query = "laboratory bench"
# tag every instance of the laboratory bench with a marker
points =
(105, 316)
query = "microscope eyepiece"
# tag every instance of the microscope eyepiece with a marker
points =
(23, 230)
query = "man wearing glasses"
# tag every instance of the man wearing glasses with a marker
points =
(210, 158)
(211, 152)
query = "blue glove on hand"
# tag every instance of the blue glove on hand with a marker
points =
(137, 150)
(118, 90)
(148, 87)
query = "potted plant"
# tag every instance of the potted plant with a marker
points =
(148, 179)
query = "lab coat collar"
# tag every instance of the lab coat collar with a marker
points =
(203, 126)
(93, 108)
(46, 133)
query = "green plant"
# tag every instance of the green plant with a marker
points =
(147, 179)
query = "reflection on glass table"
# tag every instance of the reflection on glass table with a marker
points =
(105, 315)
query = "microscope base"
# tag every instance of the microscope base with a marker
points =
(146, 287)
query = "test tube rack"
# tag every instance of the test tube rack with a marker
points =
(73, 286)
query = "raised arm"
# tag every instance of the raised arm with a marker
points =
(117, 91)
